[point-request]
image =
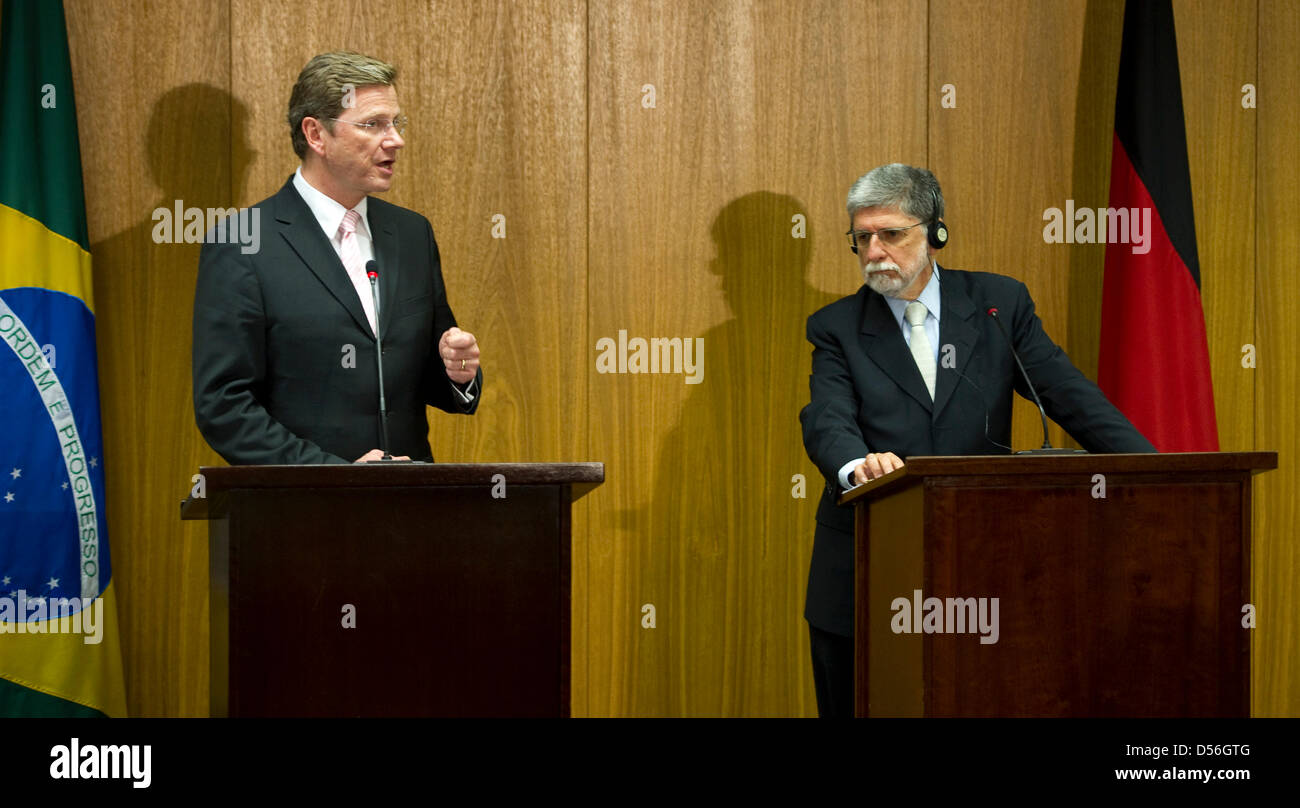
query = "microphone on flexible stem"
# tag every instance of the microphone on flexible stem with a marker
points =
(984, 400)
(1047, 444)
(372, 272)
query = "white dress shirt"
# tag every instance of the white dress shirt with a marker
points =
(329, 214)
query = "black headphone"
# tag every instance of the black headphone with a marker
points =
(937, 233)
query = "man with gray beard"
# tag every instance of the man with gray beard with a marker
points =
(881, 392)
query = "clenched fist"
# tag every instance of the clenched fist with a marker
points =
(459, 351)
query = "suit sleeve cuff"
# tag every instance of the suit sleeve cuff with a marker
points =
(846, 474)
(466, 392)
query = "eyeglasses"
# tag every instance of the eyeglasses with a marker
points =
(889, 236)
(380, 126)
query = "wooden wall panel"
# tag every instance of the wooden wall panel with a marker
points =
(1217, 55)
(762, 113)
(1006, 153)
(155, 115)
(1277, 373)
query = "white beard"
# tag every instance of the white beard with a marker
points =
(880, 283)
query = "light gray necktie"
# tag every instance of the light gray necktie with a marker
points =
(921, 351)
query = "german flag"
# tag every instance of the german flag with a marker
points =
(59, 652)
(1155, 363)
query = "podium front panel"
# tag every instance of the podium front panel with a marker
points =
(429, 601)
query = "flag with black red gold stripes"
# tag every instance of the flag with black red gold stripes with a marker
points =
(1155, 363)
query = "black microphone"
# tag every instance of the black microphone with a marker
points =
(372, 272)
(1047, 444)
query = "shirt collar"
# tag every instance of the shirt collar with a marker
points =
(328, 212)
(929, 296)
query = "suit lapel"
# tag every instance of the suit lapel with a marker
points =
(883, 343)
(956, 328)
(306, 238)
(383, 236)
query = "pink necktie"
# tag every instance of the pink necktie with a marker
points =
(350, 252)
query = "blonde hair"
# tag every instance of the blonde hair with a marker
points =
(324, 84)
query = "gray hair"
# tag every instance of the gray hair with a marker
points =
(323, 85)
(912, 190)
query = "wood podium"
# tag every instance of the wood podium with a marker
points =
(390, 590)
(1121, 584)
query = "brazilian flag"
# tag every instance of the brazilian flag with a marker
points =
(59, 651)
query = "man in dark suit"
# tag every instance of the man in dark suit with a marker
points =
(285, 334)
(913, 364)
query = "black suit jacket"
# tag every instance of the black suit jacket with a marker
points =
(868, 396)
(284, 357)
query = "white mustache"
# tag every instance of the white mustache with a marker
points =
(880, 266)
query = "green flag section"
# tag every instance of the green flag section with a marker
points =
(59, 651)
